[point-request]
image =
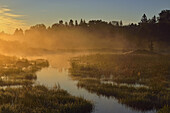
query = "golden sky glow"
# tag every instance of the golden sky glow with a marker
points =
(22, 13)
(9, 21)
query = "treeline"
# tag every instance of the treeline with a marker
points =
(147, 31)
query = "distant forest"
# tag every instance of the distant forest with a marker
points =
(147, 33)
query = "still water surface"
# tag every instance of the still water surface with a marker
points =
(57, 73)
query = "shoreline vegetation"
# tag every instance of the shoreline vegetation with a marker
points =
(40, 99)
(145, 78)
(24, 95)
(19, 71)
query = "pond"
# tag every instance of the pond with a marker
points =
(58, 73)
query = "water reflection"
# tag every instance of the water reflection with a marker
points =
(57, 73)
(124, 84)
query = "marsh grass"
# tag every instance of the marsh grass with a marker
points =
(141, 98)
(14, 71)
(40, 99)
(165, 109)
(152, 71)
(29, 98)
(16, 83)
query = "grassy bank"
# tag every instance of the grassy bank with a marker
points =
(151, 71)
(29, 98)
(39, 99)
(19, 71)
(142, 99)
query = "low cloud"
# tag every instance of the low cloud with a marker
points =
(9, 21)
(12, 15)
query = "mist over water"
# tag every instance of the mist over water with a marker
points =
(37, 43)
(84, 56)
(115, 67)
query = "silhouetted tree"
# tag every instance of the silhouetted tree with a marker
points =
(115, 23)
(71, 23)
(76, 23)
(19, 32)
(121, 23)
(84, 22)
(66, 24)
(61, 22)
(81, 22)
(144, 19)
(138, 35)
(164, 16)
(38, 27)
(55, 26)
(153, 20)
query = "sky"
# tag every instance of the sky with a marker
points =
(25, 13)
